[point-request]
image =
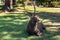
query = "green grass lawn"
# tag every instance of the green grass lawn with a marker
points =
(13, 26)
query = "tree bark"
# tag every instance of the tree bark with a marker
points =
(8, 5)
(11, 4)
(14, 2)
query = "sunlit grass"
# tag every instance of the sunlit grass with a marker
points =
(13, 27)
(39, 9)
(57, 37)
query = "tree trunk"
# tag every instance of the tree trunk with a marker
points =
(11, 4)
(8, 5)
(14, 2)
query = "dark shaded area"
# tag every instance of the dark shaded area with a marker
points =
(54, 17)
(49, 36)
(8, 6)
(14, 2)
(48, 4)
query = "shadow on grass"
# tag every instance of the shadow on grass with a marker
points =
(13, 26)
(1, 6)
(55, 17)
(49, 36)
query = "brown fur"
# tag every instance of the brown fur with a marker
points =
(34, 27)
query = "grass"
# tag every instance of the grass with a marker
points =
(13, 26)
(39, 9)
(0, 6)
